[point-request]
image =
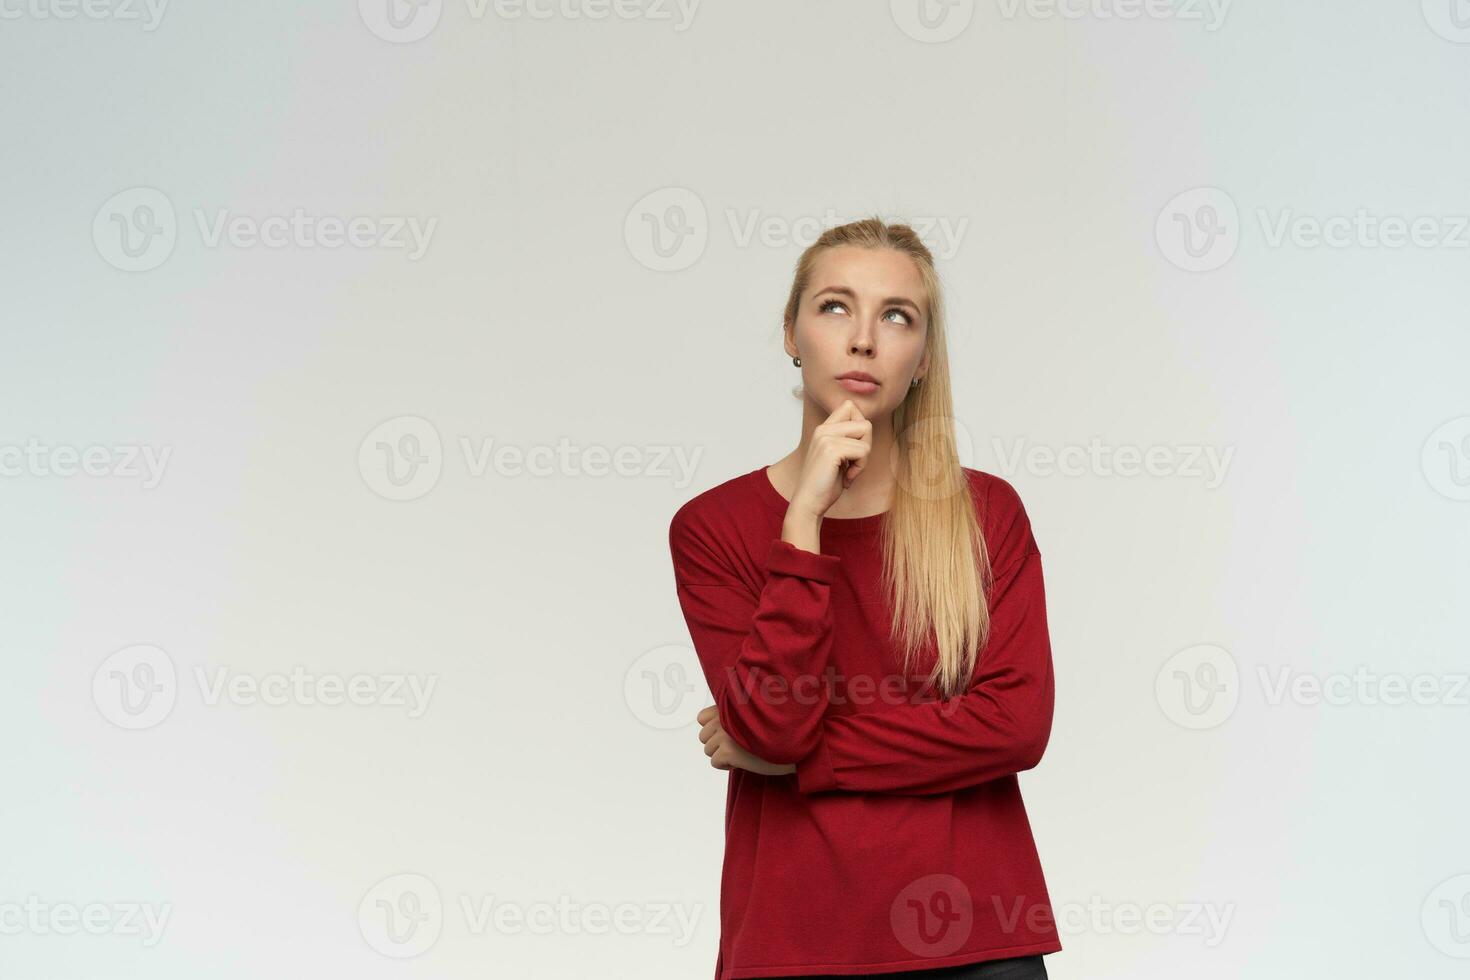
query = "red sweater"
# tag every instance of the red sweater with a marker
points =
(900, 842)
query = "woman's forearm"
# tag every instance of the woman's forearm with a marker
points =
(802, 531)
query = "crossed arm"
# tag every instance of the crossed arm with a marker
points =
(764, 656)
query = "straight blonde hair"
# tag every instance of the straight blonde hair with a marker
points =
(936, 569)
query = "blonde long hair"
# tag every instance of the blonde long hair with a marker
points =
(936, 569)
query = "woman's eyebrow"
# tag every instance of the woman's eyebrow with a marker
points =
(890, 301)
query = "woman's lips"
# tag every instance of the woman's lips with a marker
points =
(858, 386)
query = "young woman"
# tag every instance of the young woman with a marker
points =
(869, 616)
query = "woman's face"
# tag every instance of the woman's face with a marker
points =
(863, 311)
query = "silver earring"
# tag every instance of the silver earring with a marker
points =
(914, 383)
(796, 361)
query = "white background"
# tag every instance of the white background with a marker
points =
(1052, 143)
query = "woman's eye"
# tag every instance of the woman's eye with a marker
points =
(828, 305)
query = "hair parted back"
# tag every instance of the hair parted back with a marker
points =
(936, 570)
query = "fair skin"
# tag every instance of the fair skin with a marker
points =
(863, 310)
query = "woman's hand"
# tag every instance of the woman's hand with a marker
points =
(725, 754)
(839, 449)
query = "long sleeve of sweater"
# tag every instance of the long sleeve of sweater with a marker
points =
(1000, 725)
(763, 653)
